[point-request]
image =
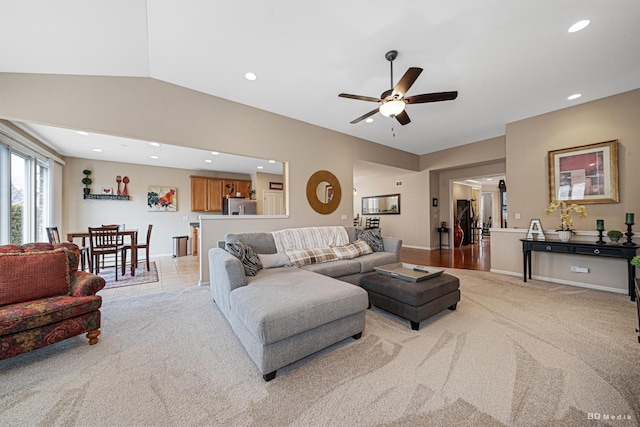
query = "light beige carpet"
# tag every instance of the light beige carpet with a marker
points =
(513, 354)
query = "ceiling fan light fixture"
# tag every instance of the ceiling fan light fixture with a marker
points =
(392, 108)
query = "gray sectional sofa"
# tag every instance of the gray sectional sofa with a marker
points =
(285, 313)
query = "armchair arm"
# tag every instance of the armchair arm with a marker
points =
(86, 284)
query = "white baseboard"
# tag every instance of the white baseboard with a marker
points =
(564, 282)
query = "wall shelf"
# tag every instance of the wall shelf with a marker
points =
(105, 197)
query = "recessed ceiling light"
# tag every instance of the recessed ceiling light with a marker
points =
(574, 96)
(579, 25)
(98, 150)
(260, 167)
(250, 76)
(272, 161)
(154, 157)
(369, 120)
(154, 144)
(209, 161)
(489, 179)
(215, 153)
(83, 133)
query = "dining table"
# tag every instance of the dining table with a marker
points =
(131, 233)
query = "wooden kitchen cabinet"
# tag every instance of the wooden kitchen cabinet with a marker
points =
(206, 194)
(232, 186)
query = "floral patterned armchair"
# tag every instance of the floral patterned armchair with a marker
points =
(44, 299)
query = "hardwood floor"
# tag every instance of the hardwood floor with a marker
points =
(476, 256)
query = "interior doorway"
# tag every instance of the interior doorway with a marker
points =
(484, 195)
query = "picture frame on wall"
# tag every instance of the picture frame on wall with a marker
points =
(585, 174)
(275, 186)
(162, 199)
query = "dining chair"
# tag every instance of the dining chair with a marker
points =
(85, 258)
(372, 222)
(144, 246)
(105, 241)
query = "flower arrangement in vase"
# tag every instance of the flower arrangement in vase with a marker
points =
(566, 222)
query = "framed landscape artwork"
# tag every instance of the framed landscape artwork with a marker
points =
(585, 174)
(162, 199)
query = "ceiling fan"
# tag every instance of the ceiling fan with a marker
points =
(393, 101)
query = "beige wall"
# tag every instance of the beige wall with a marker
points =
(152, 110)
(528, 142)
(80, 213)
(482, 158)
(411, 224)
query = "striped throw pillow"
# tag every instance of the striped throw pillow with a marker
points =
(300, 257)
(352, 250)
(247, 256)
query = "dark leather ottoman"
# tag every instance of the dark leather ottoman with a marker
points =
(414, 301)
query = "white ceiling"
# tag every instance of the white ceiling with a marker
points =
(509, 59)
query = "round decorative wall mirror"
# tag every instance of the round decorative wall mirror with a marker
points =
(324, 192)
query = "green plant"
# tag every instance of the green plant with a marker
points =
(86, 180)
(635, 261)
(614, 233)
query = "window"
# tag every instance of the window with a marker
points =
(24, 196)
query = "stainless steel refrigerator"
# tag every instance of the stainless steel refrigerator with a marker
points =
(238, 206)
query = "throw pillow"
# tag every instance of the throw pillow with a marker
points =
(279, 259)
(352, 250)
(247, 256)
(300, 257)
(372, 237)
(29, 276)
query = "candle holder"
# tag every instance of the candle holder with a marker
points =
(600, 241)
(629, 235)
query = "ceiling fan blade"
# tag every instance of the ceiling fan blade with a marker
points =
(403, 118)
(432, 97)
(358, 97)
(364, 116)
(407, 81)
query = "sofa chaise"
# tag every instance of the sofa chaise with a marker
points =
(283, 313)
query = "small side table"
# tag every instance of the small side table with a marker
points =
(444, 230)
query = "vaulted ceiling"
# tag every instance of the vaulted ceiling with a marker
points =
(509, 59)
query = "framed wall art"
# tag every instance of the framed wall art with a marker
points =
(585, 174)
(162, 199)
(275, 186)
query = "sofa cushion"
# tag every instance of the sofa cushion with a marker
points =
(300, 257)
(280, 303)
(34, 314)
(352, 250)
(18, 282)
(261, 243)
(246, 255)
(372, 237)
(337, 268)
(367, 262)
(279, 259)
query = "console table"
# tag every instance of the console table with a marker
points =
(581, 248)
(444, 230)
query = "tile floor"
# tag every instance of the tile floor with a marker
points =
(173, 273)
